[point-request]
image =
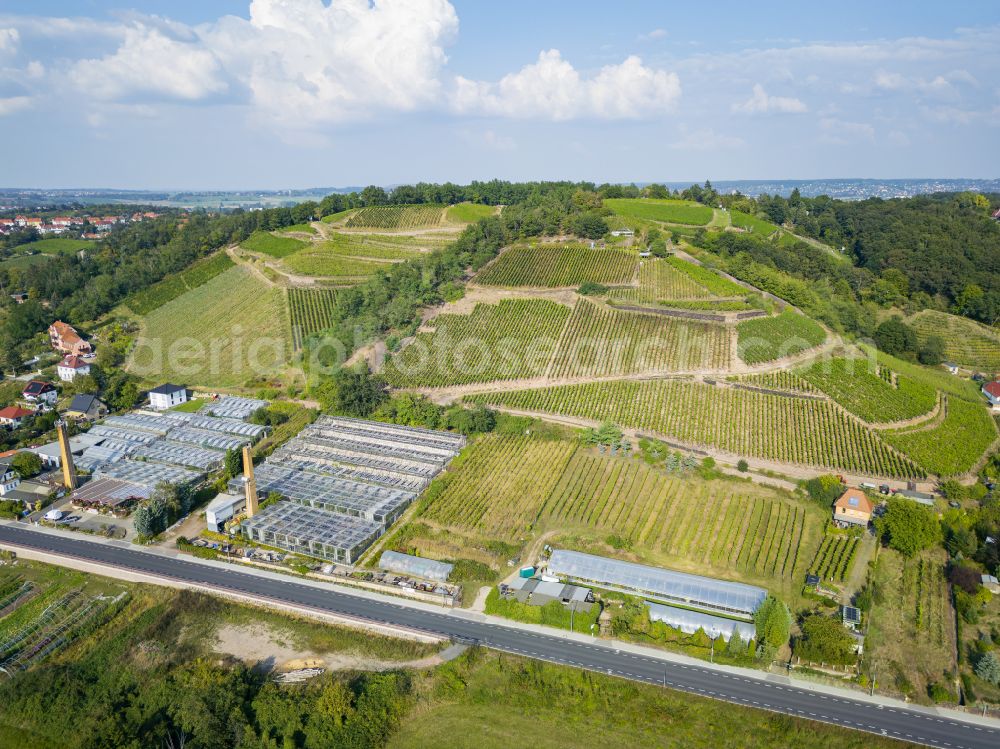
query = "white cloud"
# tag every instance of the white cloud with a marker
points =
(653, 35)
(151, 62)
(706, 140)
(761, 103)
(14, 104)
(9, 39)
(841, 132)
(553, 89)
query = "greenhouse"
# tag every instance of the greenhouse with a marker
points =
(307, 530)
(174, 453)
(206, 438)
(234, 407)
(226, 426)
(667, 586)
(691, 621)
(407, 564)
(147, 474)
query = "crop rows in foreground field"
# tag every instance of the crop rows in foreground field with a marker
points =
(506, 485)
(868, 394)
(658, 280)
(768, 338)
(310, 310)
(558, 265)
(396, 217)
(835, 557)
(747, 423)
(965, 341)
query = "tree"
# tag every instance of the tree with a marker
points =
(355, 393)
(824, 489)
(988, 668)
(824, 640)
(895, 337)
(27, 464)
(966, 578)
(588, 225)
(773, 622)
(233, 463)
(908, 527)
(932, 352)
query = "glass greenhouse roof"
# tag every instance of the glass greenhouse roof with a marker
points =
(658, 583)
(233, 407)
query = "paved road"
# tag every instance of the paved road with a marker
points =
(773, 693)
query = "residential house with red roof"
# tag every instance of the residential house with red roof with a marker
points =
(853, 508)
(992, 392)
(13, 416)
(65, 339)
(72, 367)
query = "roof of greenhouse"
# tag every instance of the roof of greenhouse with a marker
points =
(691, 621)
(658, 583)
(408, 564)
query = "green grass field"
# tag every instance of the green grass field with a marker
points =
(768, 338)
(559, 265)
(269, 244)
(337, 267)
(752, 223)
(56, 246)
(669, 211)
(467, 213)
(716, 284)
(298, 228)
(145, 301)
(229, 329)
(965, 341)
(746, 423)
(25, 261)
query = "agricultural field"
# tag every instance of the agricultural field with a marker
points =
(659, 280)
(768, 338)
(965, 341)
(56, 246)
(934, 377)
(746, 423)
(323, 264)
(510, 487)
(380, 246)
(668, 211)
(145, 301)
(717, 285)
(298, 229)
(707, 305)
(396, 217)
(309, 311)
(334, 218)
(953, 446)
(25, 261)
(468, 213)
(510, 340)
(270, 244)
(783, 380)
(752, 224)
(229, 329)
(912, 627)
(872, 396)
(559, 265)
(603, 341)
(835, 557)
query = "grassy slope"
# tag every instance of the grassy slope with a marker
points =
(56, 245)
(670, 211)
(269, 244)
(965, 341)
(466, 213)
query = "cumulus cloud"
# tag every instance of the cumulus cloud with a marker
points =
(553, 89)
(653, 35)
(761, 103)
(8, 41)
(13, 104)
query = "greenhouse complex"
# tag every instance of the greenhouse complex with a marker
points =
(343, 482)
(733, 600)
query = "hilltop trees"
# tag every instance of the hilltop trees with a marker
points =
(908, 527)
(773, 622)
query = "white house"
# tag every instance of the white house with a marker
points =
(38, 391)
(951, 367)
(9, 479)
(167, 396)
(72, 367)
(622, 233)
(992, 392)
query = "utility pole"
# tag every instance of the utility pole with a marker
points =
(572, 610)
(871, 692)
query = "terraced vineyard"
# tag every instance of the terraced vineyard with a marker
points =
(965, 341)
(746, 423)
(558, 265)
(145, 301)
(381, 246)
(269, 244)
(507, 487)
(602, 341)
(309, 312)
(952, 447)
(835, 557)
(717, 285)
(783, 380)
(660, 280)
(669, 211)
(510, 340)
(396, 217)
(330, 265)
(867, 394)
(768, 338)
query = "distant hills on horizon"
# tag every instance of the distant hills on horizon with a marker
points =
(842, 188)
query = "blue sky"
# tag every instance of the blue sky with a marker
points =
(298, 93)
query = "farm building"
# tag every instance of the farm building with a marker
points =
(222, 509)
(853, 508)
(537, 592)
(691, 621)
(992, 392)
(407, 564)
(51, 455)
(660, 585)
(111, 494)
(361, 474)
(167, 396)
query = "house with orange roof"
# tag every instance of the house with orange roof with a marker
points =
(64, 338)
(853, 508)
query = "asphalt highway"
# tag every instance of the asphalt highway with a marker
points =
(774, 694)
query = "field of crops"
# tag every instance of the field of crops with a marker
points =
(556, 265)
(717, 285)
(952, 447)
(309, 311)
(328, 265)
(835, 557)
(506, 341)
(783, 380)
(965, 341)
(603, 341)
(145, 301)
(467, 213)
(868, 395)
(379, 246)
(298, 229)
(269, 244)
(56, 246)
(934, 377)
(670, 211)
(742, 422)
(707, 305)
(508, 486)
(396, 217)
(660, 280)
(752, 223)
(229, 329)
(768, 338)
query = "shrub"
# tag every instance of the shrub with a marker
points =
(742, 466)
(988, 668)
(938, 692)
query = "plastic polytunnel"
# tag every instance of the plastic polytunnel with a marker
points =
(406, 564)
